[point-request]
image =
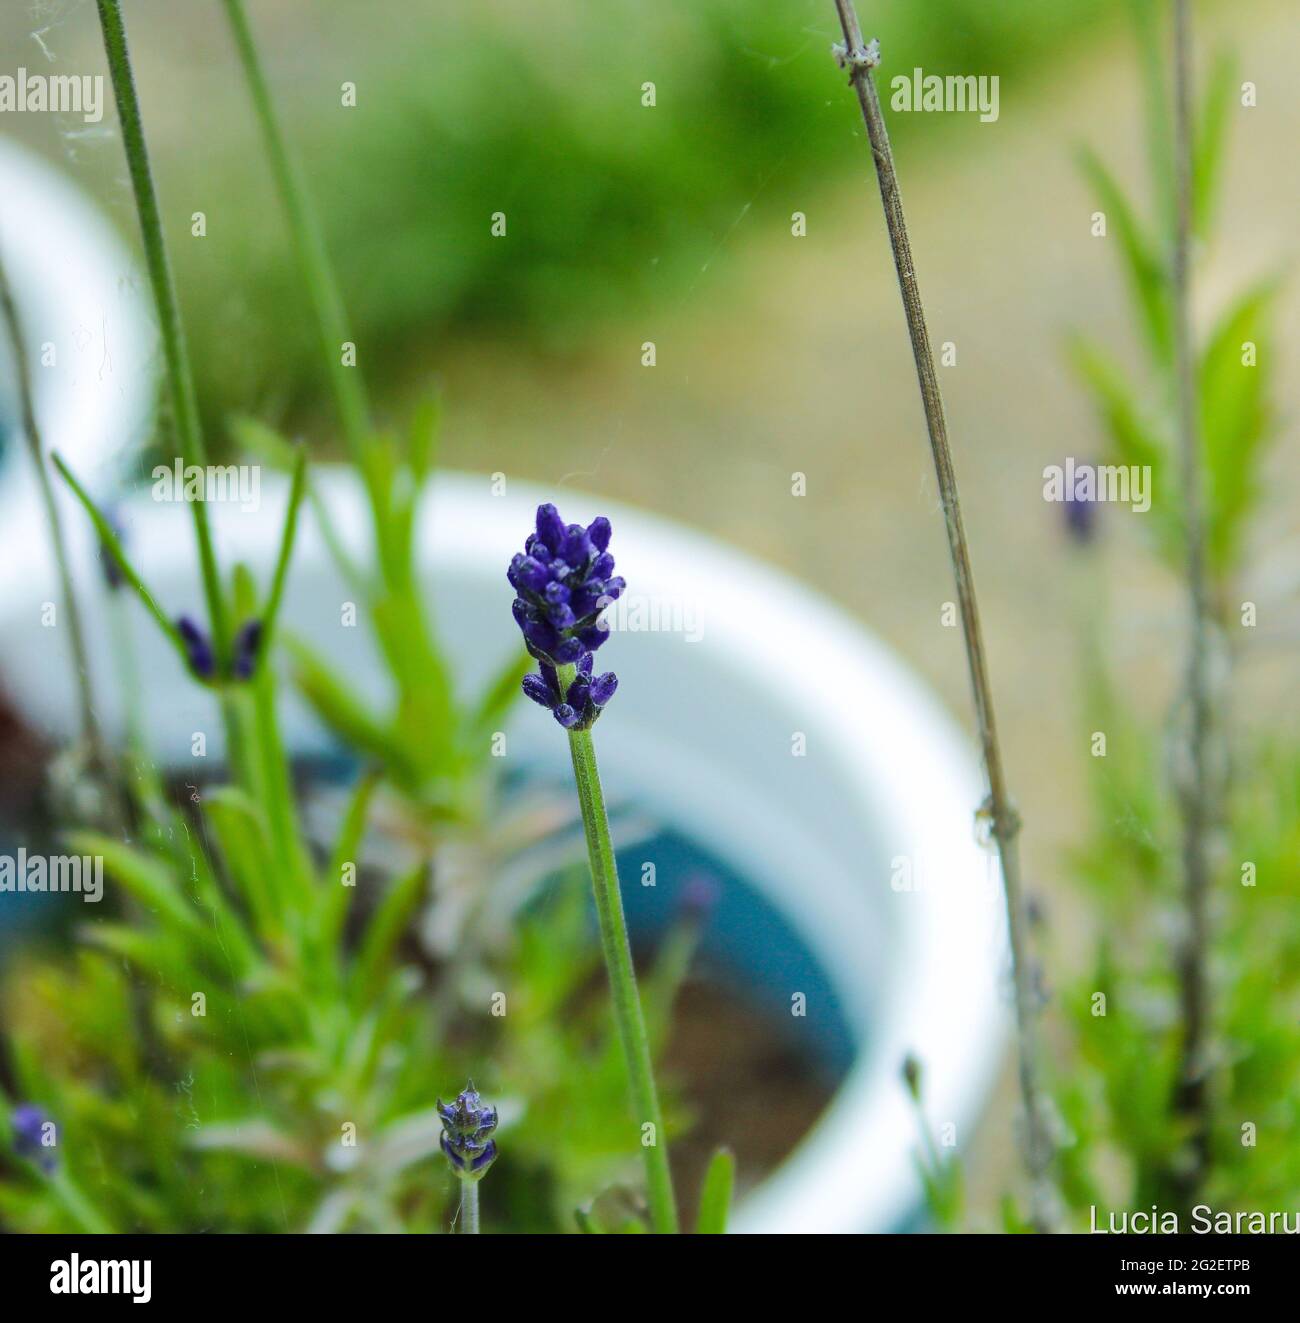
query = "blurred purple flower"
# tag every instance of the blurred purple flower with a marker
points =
(1080, 517)
(28, 1123)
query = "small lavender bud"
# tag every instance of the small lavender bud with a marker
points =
(576, 550)
(198, 648)
(538, 690)
(602, 688)
(466, 1126)
(599, 531)
(247, 643)
(550, 528)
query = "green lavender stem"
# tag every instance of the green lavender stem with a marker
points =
(309, 244)
(469, 1208)
(90, 731)
(180, 381)
(622, 978)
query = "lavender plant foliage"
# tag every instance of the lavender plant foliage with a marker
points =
(466, 1126)
(28, 1124)
(563, 579)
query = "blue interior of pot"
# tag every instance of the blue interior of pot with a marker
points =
(746, 943)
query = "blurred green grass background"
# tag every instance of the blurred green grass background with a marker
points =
(466, 109)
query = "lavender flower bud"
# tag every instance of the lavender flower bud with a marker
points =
(247, 643)
(198, 648)
(598, 531)
(466, 1125)
(578, 708)
(550, 528)
(539, 691)
(28, 1124)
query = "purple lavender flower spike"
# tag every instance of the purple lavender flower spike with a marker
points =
(28, 1124)
(466, 1125)
(563, 580)
(198, 648)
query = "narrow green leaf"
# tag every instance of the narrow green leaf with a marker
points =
(386, 926)
(1236, 418)
(422, 437)
(346, 849)
(1211, 136)
(271, 610)
(343, 712)
(244, 839)
(715, 1194)
(1133, 435)
(1143, 266)
(113, 545)
(498, 698)
(151, 882)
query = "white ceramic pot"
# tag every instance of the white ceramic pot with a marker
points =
(703, 733)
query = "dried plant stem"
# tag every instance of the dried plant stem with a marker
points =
(90, 732)
(1038, 1143)
(628, 1015)
(180, 380)
(1191, 1100)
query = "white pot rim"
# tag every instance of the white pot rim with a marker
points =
(77, 291)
